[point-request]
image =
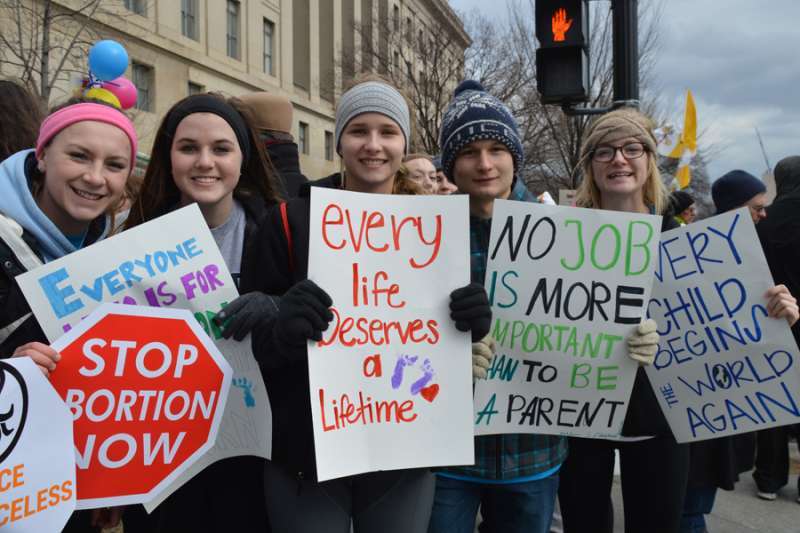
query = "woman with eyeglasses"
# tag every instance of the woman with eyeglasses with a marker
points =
(618, 159)
(620, 173)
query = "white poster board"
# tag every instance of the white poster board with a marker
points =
(391, 380)
(171, 261)
(37, 460)
(723, 366)
(567, 286)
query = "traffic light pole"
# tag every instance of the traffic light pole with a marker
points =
(625, 32)
(626, 52)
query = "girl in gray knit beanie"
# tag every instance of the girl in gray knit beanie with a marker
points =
(373, 130)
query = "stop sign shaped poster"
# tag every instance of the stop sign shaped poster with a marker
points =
(147, 389)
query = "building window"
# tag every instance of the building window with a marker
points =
(396, 62)
(302, 138)
(137, 6)
(269, 44)
(195, 88)
(396, 18)
(409, 29)
(233, 29)
(329, 146)
(189, 18)
(143, 80)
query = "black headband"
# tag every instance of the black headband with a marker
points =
(206, 103)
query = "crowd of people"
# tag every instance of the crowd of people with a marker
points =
(66, 182)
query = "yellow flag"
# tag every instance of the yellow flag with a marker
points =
(684, 176)
(686, 146)
(688, 139)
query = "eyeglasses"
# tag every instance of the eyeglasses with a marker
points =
(606, 154)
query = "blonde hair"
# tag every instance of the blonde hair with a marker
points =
(654, 192)
(418, 155)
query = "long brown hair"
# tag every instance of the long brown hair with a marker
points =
(159, 194)
(20, 117)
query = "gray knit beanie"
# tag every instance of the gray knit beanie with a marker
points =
(372, 97)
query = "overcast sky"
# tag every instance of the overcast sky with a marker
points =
(741, 59)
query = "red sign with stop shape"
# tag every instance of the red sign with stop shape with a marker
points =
(147, 389)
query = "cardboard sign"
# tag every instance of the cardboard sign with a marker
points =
(391, 379)
(146, 388)
(723, 366)
(567, 287)
(170, 262)
(37, 461)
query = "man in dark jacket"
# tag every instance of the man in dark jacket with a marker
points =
(780, 237)
(515, 476)
(273, 118)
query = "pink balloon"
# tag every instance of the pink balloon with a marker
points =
(123, 89)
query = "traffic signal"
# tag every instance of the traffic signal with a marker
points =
(562, 64)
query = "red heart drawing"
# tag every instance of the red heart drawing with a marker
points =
(430, 392)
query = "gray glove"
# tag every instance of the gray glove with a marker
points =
(643, 344)
(242, 315)
(482, 354)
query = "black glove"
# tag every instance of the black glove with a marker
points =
(242, 315)
(469, 307)
(303, 314)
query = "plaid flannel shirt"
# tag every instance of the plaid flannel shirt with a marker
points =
(509, 456)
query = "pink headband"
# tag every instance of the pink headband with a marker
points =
(63, 118)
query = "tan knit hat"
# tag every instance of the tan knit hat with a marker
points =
(619, 124)
(271, 112)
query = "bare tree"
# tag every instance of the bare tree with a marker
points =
(44, 43)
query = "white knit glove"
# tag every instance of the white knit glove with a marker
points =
(482, 353)
(643, 343)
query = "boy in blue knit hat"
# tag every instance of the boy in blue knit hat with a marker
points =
(515, 476)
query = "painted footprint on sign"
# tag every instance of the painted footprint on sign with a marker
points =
(247, 388)
(421, 385)
(13, 408)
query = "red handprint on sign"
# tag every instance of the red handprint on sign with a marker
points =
(561, 25)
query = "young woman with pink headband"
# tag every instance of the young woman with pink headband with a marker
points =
(53, 201)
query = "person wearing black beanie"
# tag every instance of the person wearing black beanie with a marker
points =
(514, 478)
(738, 188)
(682, 204)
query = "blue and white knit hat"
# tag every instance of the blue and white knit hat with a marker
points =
(475, 115)
(372, 97)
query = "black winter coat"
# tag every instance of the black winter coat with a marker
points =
(780, 238)
(285, 158)
(286, 371)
